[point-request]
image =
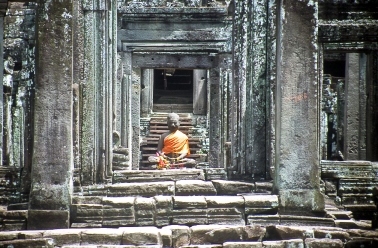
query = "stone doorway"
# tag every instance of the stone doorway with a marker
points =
(173, 90)
(178, 90)
(347, 120)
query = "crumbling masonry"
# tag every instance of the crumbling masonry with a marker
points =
(279, 99)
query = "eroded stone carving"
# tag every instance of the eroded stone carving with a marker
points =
(172, 3)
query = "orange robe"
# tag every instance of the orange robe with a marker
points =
(176, 142)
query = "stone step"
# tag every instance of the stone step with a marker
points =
(222, 236)
(163, 210)
(143, 183)
(157, 175)
(124, 176)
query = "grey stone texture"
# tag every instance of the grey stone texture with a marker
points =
(297, 150)
(71, 108)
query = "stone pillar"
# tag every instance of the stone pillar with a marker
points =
(135, 117)
(355, 107)
(52, 162)
(215, 120)
(1, 90)
(146, 90)
(297, 109)
(251, 45)
(199, 92)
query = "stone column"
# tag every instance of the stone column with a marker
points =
(355, 107)
(215, 153)
(146, 90)
(297, 109)
(135, 117)
(199, 92)
(52, 162)
(1, 90)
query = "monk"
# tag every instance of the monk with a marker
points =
(173, 145)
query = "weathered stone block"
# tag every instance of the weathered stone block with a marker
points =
(48, 219)
(273, 244)
(195, 202)
(158, 175)
(40, 242)
(358, 199)
(189, 216)
(346, 215)
(307, 200)
(194, 187)
(362, 242)
(294, 220)
(141, 236)
(94, 190)
(334, 233)
(347, 169)
(166, 237)
(31, 234)
(223, 216)
(224, 187)
(144, 211)
(347, 224)
(242, 245)
(64, 236)
(263, 220)
(180, 235)
(15, 214)
(142, 189)
(108, 236)
(87, 200)
(261, 204)
(118, 211)
(280, 232)
(264, 187)
(87, 225)
(163, 210)
(224, 201)
(215, 174)
(9, 235)
(87, 213)
(294, 243)
(215, 234)
(323, 243)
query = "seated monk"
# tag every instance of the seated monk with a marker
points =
(173, 145)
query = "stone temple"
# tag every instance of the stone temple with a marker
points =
(279, 99)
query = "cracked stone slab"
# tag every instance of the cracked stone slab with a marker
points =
(141, 236)
(184, 202)
(195, 187)
(261, 204)
(101, 236)
(225, 187)
(148, 189)
(225, 201)
(158, 175)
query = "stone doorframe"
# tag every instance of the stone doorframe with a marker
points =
(361, 58)
(134, 60)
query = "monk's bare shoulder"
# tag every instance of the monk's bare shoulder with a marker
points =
(164, 135)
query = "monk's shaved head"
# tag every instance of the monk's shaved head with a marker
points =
(173, 121)
(173, 116)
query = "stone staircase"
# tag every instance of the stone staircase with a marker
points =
(157, 126)
(186, 208)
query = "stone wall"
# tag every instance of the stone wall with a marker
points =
(18, 83)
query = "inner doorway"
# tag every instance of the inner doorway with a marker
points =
(173, 90)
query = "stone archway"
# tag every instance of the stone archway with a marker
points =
(183, 61)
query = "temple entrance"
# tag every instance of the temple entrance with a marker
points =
(173, 90)
(348, 100)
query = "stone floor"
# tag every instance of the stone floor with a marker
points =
(187, 208)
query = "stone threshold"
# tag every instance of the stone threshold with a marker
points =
(173, 187)
(196, 236)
